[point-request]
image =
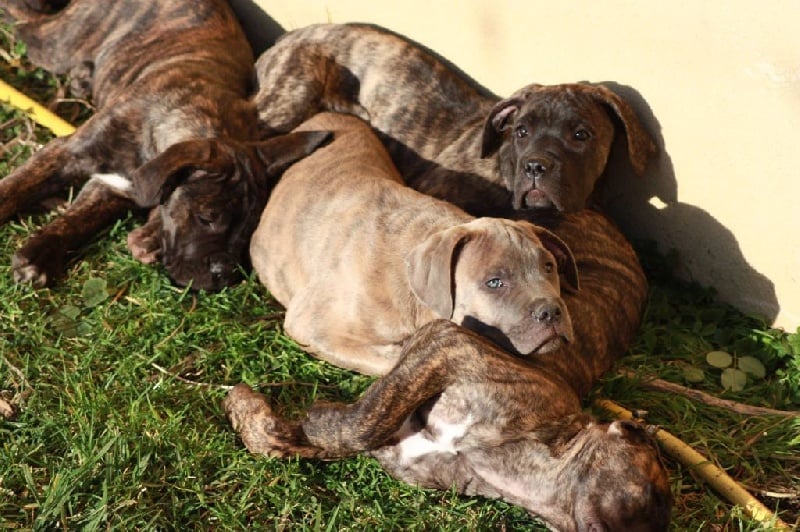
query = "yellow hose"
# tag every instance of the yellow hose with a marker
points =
(39, 114)
(716, 477)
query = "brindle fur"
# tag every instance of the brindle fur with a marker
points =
(360, 261)
(434, 121)
(523, 437)
(448, 138)
(169, 80)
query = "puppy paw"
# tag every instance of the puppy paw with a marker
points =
(261, 431)
(38, 262)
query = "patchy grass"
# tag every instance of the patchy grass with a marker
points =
(107, 434)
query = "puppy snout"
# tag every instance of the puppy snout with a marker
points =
(548, 313)
(538, 167)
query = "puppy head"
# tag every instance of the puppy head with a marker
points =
(499, 278)
(553, 142)
(210, 194)
(621, 483)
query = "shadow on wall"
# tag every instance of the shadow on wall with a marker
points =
(260, 28)
(648, 208)
(644, 208)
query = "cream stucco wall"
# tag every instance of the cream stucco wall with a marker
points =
(717, 82)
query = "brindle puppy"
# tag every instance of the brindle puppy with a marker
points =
(458, 413)
(173, 126)
(542, 148)
(360, 261)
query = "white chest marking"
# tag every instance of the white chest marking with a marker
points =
(115, 181)
(441, 438)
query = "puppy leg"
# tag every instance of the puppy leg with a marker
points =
(434, 358)
(45, 174)
(57, 42)
(309, 81)
(42, 257)
(336, 341)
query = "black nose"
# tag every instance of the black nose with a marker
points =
(548, 314)
(222, 270)
(537, 168)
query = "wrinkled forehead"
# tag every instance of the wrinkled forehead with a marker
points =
(506, 242)
(563, 106)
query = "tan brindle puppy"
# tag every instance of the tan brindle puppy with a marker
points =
(361, 261)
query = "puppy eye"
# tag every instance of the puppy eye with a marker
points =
(521, 132)
(581, 134)
(205, 219)
(494, 283)
(549, 267)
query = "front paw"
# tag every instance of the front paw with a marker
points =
(261, 431)
(39, 261)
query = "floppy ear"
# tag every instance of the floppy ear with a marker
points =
(560, 250)
(430, 268)
(158, 177)
(496, 123)
(641, 147)
(278, 153)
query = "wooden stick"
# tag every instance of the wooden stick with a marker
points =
(716, 477)
(661, 385)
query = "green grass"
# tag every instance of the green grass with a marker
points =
(107, 437)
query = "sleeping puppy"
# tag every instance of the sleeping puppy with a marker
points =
(360, 261)
(173, 127)
(458, 413)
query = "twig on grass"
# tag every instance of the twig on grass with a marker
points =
(670, 387)
(228, 387)
(705, 469)
(189, 381)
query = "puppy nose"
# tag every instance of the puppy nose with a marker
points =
(221, 267)
(537, 168)
(547, 313)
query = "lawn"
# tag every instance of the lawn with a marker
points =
(116, 377)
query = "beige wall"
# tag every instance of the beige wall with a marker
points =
(717, 82)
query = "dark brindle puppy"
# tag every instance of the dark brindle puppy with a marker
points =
(456, 412)
(544, 147)
(169, 79)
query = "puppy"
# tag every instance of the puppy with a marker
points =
(360, 261)
(542, 148)
(458, 413)
(173, 127)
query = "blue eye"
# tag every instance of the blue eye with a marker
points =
(494, 283)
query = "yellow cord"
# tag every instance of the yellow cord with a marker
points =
(39, 114)
(716, 477)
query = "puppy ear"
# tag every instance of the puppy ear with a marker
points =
(496, 123)
(278, 153)
(430, 268)
(641, 147)
(158, 177)
(563, 254)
